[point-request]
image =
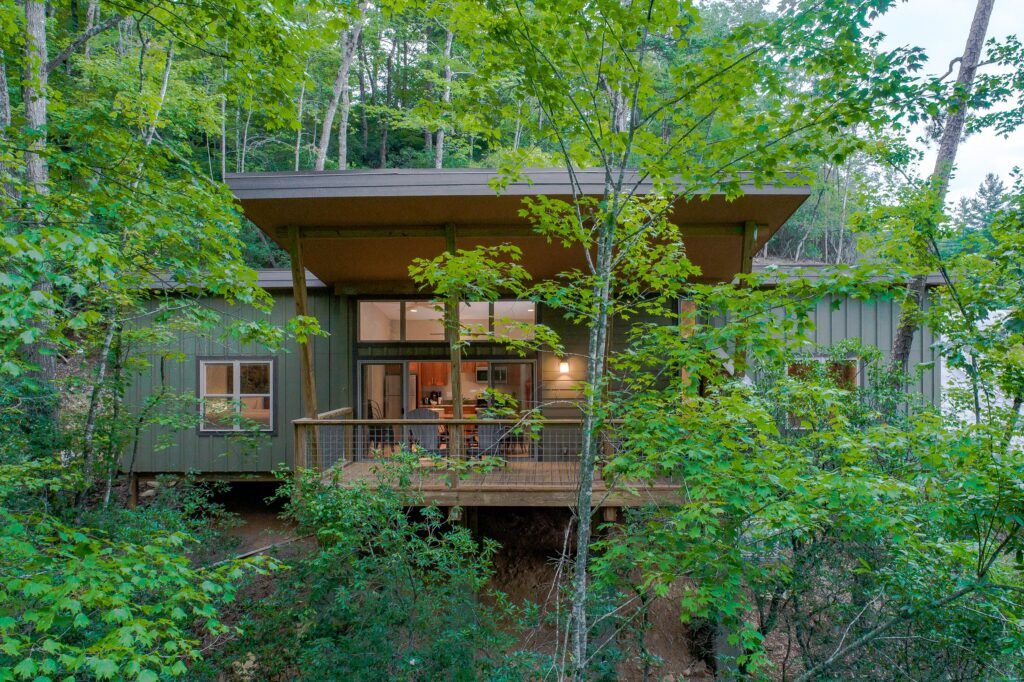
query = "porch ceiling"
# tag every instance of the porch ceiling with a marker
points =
(365, 226)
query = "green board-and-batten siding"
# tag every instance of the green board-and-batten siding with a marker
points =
(163, 450)
(874, 323)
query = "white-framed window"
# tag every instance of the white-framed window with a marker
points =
(420, 321)
(845, 372)
(236, 394)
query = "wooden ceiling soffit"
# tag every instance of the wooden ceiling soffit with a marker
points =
(440, 231)
(379, 288)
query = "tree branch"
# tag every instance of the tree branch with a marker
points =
(66, 53)
(872, 634)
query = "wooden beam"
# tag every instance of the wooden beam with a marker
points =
(405, 287)
(308, 382)
(468, 231)
(749, 240)
(723, 230)
(435, 231)
(547, 498)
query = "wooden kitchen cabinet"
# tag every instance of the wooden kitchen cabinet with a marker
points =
(434, 374)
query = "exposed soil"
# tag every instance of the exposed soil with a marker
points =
(262, 524)
(529, 568)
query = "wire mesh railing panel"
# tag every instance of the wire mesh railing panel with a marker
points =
(481, 453)
(468, 454)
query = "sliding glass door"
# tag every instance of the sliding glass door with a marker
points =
(391, 390)
(380, 389)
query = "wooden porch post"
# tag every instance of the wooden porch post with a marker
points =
(687, 320)
(305, 348)
(749, 240)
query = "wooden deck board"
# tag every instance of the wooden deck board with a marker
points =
(525, 483)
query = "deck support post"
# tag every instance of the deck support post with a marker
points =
(305, 347)
(610, 514)
(687, 321)
(749, 240)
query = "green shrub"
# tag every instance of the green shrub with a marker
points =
(389, 593)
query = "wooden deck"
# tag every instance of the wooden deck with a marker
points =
(525, 483)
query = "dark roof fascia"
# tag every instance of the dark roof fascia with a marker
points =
(281, 278)
(266, 278)
(431, 182)
(815, 271)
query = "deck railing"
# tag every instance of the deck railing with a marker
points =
(488, 453)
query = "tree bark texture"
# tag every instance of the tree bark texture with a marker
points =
(340, 95)
(948, 144)
(446, 96)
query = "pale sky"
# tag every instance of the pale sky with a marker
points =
(941, 27)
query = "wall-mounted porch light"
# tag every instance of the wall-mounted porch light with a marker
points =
(563, 366)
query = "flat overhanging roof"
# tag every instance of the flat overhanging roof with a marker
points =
(411, 207)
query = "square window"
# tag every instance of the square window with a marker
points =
(256, 409)
(236, 394)
(380, 320)
(220, 378)
(514, 319)
(843, 372)
(218, 414)
(475, 320)
(424, 321)
(254, 377)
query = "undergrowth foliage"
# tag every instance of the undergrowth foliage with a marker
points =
(830, 520)
(392, 590)
(124, 597)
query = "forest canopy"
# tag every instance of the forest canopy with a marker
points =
(827, 527)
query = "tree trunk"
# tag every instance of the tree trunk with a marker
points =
(597, 342)
(382, 158)
(119, 46)
(223, 137)
(112, 339)
(34, 94)
(245, 140)
(446, 96)
(364, 120)
(5, 98)
(939, 180)
(302, 100)
(340, 94)
(238, 139)
(842, 219)
(519, 128)
(5, 123)
(92, 14)
(343, 131)
(34, 90)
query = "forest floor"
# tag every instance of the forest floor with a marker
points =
(528, 568)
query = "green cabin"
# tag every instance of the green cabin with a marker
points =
(383, 379)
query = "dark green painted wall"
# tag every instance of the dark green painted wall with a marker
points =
(162, 450)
